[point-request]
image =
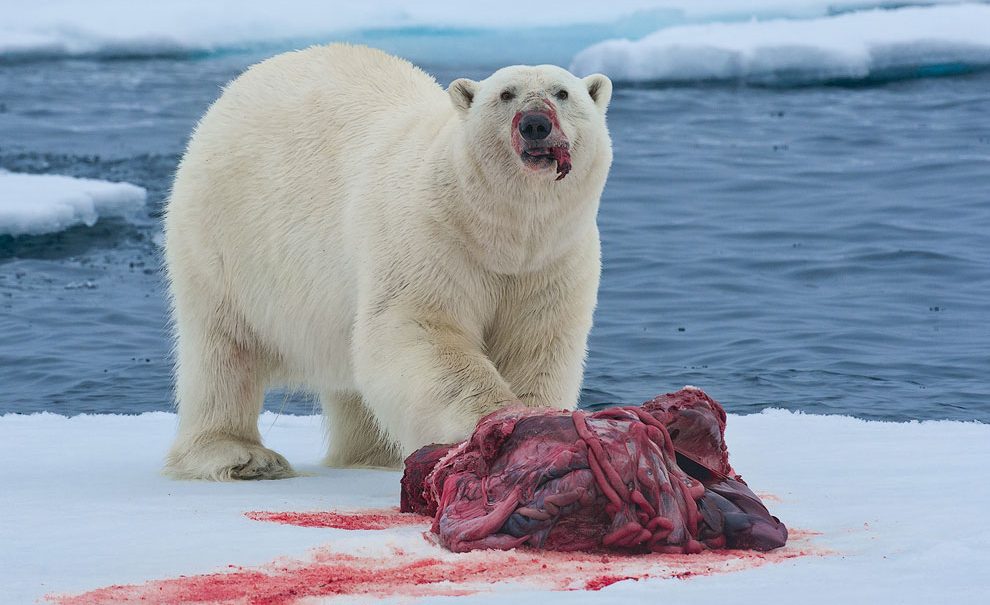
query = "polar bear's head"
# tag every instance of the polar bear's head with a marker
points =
(538, 124)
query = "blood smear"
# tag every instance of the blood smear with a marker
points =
(331, 576)
(603, 581)
(375, 519)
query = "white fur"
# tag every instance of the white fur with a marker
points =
(342, 224)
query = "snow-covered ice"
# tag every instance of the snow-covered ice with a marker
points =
(35, 204)
(874, 43)
(899, 510)
(47, 28)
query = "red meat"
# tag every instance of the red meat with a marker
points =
(635, 479)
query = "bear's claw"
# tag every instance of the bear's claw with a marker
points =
(228, 460)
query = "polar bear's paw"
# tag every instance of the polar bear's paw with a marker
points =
(227, 460)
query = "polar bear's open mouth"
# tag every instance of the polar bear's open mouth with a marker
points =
(538, 157)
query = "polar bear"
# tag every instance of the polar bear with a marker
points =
(416, 257)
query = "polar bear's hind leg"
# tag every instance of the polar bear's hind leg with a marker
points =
(221, 378)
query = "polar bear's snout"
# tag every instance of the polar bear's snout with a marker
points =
(535, 125)
(540, 141)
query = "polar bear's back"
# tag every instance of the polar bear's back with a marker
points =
(348, 79)
(297, 131)
(330, 92)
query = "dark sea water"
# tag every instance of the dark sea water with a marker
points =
(816, 248)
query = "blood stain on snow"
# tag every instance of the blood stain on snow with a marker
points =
(333, 575)
(367, 519)
(794, 533)
(602, 581)
(330, 575)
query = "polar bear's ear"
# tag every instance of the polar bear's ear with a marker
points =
(600, 89)
(461, 92)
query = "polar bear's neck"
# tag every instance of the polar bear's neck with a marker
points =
(508, 223)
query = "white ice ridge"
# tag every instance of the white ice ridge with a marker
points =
(892, 512)
(146, 27)
(35, 204)
(877, 43)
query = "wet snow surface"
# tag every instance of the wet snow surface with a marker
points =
(88, 520)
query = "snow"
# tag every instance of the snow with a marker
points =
(53, 28)
(35, 204)
(900, 507)
(857, 45)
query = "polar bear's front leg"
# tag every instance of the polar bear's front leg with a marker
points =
(539, 339)
(425, 380)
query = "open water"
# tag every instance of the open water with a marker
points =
(823, 248)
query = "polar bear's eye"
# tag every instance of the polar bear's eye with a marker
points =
(561, 95)
(507, 95)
